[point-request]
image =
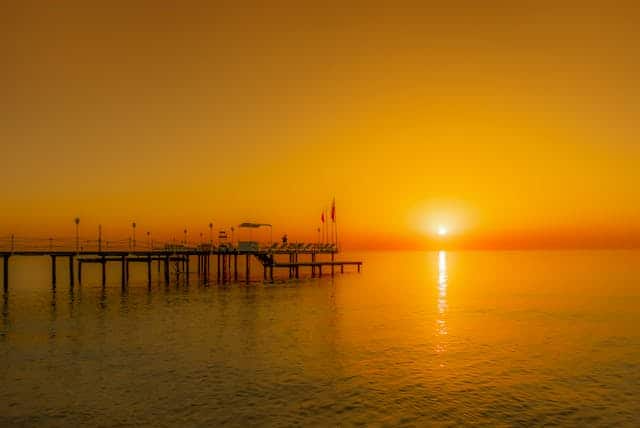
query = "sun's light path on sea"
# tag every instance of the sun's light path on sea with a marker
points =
(441, 328)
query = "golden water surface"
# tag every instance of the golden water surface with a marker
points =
(487, 338)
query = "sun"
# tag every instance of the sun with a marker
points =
(442, 231)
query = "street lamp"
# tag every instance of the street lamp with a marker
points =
(211, 234)
(77, 222)
(149, 240)
(185, 237)
(232, 230)
(133, 225)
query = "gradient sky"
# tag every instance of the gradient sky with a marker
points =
(514, 124)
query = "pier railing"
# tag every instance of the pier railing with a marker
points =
(15, 243)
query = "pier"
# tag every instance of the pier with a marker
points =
(171, 260)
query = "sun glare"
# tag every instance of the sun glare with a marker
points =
(442, 231)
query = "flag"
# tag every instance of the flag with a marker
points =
(322, 217)
(333, 210)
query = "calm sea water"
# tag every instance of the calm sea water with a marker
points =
(488, 338)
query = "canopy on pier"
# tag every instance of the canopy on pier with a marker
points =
(253, 225)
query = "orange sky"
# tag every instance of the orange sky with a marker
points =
(515, 126)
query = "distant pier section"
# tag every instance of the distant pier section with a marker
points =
(234, 262)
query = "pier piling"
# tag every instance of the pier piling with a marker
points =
(247, 269)
(332, 265)
(149, 269)
(218, 269)
(103, 265)
(186, 268)
(235, 267)
(53, 270)
(5, 272)
(123, 274)
(71, 275)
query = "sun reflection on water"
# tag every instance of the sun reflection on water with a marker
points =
(441, 327)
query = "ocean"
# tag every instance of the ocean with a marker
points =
(415, 339)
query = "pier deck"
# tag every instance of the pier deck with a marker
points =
(226, 258)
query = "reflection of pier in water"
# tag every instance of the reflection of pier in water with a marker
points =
(178, 259)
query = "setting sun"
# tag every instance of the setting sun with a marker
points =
(442, 231)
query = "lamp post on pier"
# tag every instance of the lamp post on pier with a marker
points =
(185, 237)
(133, 225)
(149, 240)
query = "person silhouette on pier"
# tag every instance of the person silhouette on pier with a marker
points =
(284, 239)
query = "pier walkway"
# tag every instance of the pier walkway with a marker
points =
(172, 258)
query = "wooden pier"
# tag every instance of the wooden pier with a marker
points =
(226, 257)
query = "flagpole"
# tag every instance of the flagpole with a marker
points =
(334, 228)
(335, 222)
(326, 228)
(324, 240)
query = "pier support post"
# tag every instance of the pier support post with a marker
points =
(123, 274)
(218, 269)
(186, 268)
(247, 268)
(166, 268)
(79, 271)
(103, 264)
(332, 265)
(224, 268)
(313, 267)
(235, 267)
(53, 270)
(71, 275)
(208, 266)
(5, 272)
(341, 268)
(264, 271)
(149, 269)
